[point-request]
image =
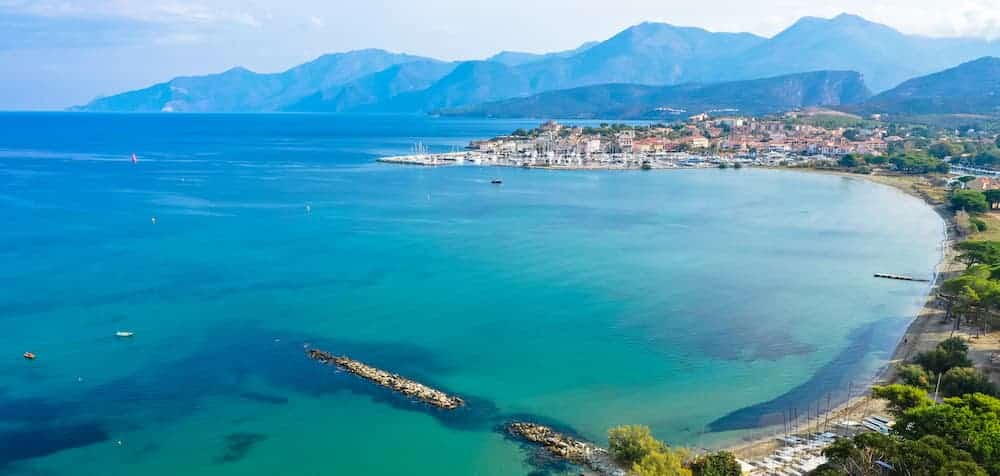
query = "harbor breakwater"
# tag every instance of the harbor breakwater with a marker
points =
(391, 381)
(566, 447)
(559, 445)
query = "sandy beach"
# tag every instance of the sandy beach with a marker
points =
(924, 333)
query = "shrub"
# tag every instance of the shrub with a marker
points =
(954, 344)
(722, 463)
(914, 376)
(634, 447)
(947, 355)
(963, 380)
(902, 397)
(631, 443)
(661, 463)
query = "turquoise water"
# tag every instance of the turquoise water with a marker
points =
(702, 303)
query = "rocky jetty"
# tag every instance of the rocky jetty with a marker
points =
(394, 382)
(567, 448)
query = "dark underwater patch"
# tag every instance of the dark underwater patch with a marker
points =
(32, 410)
(208, 289)
(23, 444)
(264, 398)
(832, 379)
(171, 389)
(238, 445)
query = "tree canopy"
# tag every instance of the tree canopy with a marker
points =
(633, 446)
(722, 463)
(918, 163)
(972, 201)
(964, 380)
(902, 397)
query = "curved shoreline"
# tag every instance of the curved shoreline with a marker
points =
(923, 332)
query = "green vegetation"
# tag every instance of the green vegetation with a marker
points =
(865, 455)
(976, 154)
(992, 232)
(993, 198)
(918, 163)
(832, 121)
(945, 149)
(978, 252)
(633, 446)
(902, 397)
(905, 162)
(975, 295)
(946, 356)
(914, 375)
(972, 201)
(959, 381)
(969, 423)
(959, 436)
(661, 463)
(716, 464)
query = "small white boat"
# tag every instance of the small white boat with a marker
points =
(124, 334)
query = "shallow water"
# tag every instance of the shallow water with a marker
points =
(702, 303)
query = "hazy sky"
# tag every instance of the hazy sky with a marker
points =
(55, 53)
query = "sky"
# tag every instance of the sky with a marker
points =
(58, 53)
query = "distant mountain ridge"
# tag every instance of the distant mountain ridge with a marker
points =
(653, 54)
(241, 90)
(627, 101)
(970, 88)
(518, 58)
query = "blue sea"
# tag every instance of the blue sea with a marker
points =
(702, 303)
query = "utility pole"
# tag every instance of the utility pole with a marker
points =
(937, 387)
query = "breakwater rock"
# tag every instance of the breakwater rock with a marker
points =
(391, 381)
(566, 447)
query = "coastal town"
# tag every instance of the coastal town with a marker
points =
(791, 139)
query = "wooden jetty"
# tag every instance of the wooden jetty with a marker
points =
(391, 381)
(567, 448)
(901, 278)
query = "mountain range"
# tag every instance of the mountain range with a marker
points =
(648, 54)
(628, 101)
(970, 88)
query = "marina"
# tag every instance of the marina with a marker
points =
(622, 161)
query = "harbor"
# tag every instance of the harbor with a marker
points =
(603, 161)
